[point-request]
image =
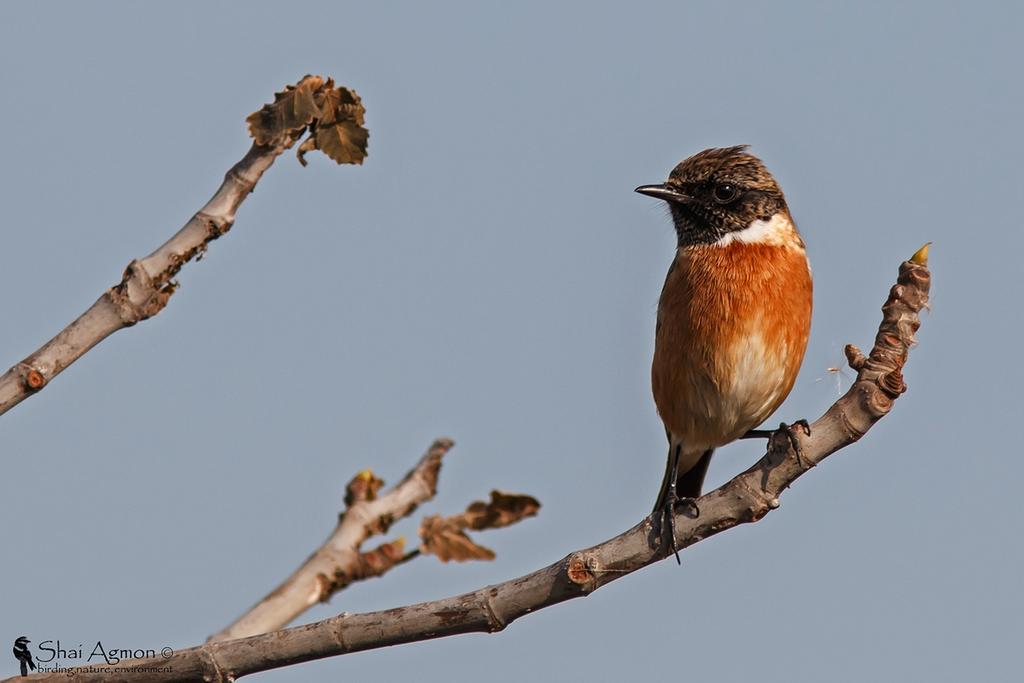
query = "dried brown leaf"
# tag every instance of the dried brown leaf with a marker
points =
(339, 132)
(292, 110)
(504, 509)
(340, 104)
(334, 116)
(447, 539)
(343, 141)
(446, 536)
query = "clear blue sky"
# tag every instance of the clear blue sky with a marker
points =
(489, 274)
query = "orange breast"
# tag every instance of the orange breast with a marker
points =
(733, 322)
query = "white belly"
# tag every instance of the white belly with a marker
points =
(734, 405)
(756, 388)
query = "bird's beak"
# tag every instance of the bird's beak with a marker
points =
(666, 192)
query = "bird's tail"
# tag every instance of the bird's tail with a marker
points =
(688, 483)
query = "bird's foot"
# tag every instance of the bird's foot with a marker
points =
(790, 431)
(668, 517)
(794, 440)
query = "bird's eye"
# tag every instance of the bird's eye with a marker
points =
(725, 193)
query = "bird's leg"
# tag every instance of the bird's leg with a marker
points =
(672, 501)
(668, 515)
(794, 440)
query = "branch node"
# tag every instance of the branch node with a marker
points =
(579, 568)
(854, 356)
(138, 296)
(363, 487)
(878, 404)
(32, 379)
(244, 183)
(213, 672)
(339, 631)
(892, 383)
(215, 226)
(494, 622)
(322, 587)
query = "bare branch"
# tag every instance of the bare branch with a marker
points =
(146, 285)
(746, 498)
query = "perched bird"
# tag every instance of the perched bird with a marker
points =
(23, 655)
(734, 314)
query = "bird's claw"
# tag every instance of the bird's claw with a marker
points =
(794, 440)
(668, 516)
(690, 505)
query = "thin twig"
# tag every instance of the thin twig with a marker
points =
(147, 284)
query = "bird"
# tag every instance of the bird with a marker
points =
(733, 318)
(23, 655)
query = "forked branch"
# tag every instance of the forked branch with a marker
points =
(340, 561)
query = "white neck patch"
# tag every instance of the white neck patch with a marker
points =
(777, 231)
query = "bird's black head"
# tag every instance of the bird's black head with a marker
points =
(716, 192)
